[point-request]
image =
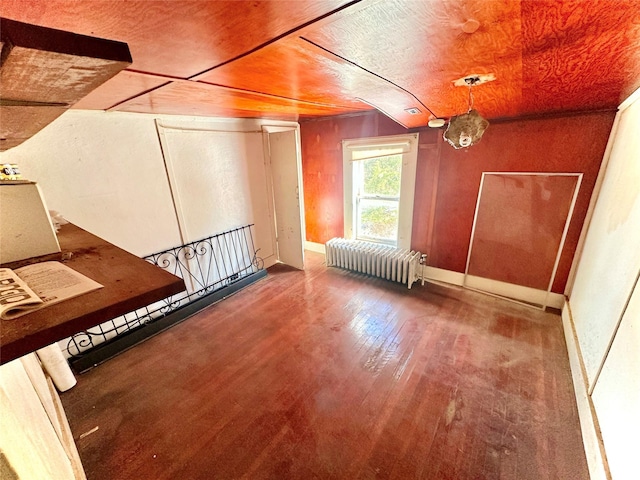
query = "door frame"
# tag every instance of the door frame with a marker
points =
(266, 131)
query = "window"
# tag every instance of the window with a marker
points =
(377, 198)
(379, 182)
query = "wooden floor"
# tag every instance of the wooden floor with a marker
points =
(332, 375)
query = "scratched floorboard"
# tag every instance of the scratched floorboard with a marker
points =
(328, 374)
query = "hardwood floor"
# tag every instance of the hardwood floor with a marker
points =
(329, 374)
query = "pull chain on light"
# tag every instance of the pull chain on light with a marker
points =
(470, 99)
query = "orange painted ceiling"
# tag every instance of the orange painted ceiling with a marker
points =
(306, 58)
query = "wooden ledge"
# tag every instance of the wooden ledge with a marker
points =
(129, 283)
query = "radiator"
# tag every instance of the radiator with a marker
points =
(382, 261)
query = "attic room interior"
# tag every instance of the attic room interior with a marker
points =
(488, 329)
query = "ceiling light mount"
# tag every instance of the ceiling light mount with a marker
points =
(470, 26)
(471, 81)
(474, 79)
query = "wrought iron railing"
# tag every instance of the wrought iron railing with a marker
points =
(206, 266)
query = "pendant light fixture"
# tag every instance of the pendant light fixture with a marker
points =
(467, 129)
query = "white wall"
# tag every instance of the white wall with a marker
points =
(106, 172)
(605, 306)
(610, 260)
(201, 155)
(616, 397)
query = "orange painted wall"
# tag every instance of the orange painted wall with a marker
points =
(322, 168)
(448, 180)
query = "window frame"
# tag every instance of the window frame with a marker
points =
(409, 150)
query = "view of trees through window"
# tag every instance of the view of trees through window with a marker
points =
(378, 196)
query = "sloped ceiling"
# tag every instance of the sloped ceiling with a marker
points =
(306, 58)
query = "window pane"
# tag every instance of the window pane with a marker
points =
(381, 176)
(377, 220)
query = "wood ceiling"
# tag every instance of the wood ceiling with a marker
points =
(307, 58)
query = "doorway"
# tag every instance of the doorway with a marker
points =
(284, 164)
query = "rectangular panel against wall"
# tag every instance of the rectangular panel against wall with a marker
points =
(519, 229)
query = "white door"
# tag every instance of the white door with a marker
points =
(287, 197)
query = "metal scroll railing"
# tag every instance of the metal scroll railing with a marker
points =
(207, 266)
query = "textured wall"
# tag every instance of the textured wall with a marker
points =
(104, 172)
(448, 180)
(610, 262)
(605, 299)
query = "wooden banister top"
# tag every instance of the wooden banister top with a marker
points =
(129, 283)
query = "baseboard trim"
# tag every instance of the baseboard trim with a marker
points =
(270, 261)
(315, 247)
(442, 275)
(591, 438)
(516, 292)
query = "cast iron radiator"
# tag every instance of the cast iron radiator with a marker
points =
(382, 261)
